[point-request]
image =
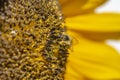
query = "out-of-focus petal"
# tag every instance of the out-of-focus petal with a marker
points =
(96, 61)
(91, 5)
(96, 26)
(95, 22)
(99, 36)
(72, 7)
(77, 7)
(62, 2)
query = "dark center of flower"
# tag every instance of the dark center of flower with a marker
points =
(33, 40)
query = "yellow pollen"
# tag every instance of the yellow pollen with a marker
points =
(33, 40)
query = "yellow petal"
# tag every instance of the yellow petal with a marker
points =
(91, 5)
(63, 2)
(71, 7)
(76, 7)
(95, 22)
(99, 36)
(93, 60)
(72, 75)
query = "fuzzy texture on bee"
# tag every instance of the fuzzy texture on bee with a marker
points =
(33, 40)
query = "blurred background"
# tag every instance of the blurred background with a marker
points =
(111, 6)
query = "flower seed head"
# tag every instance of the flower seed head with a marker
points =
(33, 40)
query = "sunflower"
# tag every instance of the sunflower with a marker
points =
(34, 43)
(91, 58)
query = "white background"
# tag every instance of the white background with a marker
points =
(111, 6)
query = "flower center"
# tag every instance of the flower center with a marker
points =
(33, 40)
